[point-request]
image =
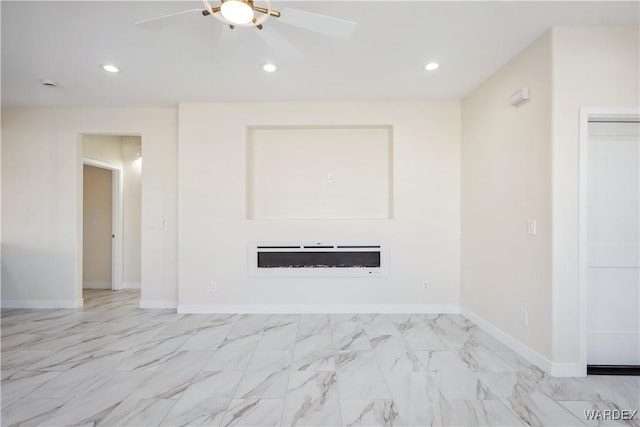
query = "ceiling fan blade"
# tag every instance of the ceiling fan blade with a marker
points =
(162, 22)
(328, 25)
(278, 43)
(224, 42)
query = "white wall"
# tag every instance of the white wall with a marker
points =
(104, 148)
(592, 67)
(423, 235)
(328, 173)
(41, 165)
(506, 181)
(589, 67)
(132, 207)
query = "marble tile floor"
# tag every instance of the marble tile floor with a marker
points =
(113, 364)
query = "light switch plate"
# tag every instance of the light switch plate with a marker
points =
(531, 227)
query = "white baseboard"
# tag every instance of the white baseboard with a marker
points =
(41, 303)
(555, 369)
(158, 304)
(96, 285)
(131, 285)
(517, 346)
(559, 369)
(312, 308)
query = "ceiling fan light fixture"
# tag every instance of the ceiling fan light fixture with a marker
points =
(237, 11)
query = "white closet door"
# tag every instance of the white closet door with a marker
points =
(613, 244)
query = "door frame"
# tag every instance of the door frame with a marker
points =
(586, 114)
(117, 223)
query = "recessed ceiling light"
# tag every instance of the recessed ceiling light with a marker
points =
(431, 66)
(111, 68)
(269, 68)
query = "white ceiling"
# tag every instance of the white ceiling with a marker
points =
(198, 59)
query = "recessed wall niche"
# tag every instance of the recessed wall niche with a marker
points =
(319, 172)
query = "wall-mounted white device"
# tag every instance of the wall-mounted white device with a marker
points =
(519, 97)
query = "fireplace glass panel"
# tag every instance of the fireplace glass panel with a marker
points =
(318, 259)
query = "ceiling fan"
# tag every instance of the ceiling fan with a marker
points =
(246, 13)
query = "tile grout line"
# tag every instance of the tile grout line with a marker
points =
(286, 394)
(384, 378)
(335, 367)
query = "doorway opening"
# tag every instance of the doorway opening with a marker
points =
(609, 283)
(101, 266)
(111, 214)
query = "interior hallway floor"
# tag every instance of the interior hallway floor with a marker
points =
(113, 364)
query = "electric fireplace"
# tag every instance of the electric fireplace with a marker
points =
(317, 259)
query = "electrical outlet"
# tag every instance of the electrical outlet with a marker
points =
(425, 286)
(524, 317)
(213, 287)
